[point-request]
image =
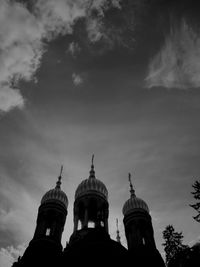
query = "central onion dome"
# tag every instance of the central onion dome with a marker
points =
(56, 194)
(91, 186)
(134, 202)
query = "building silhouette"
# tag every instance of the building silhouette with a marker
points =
(90, 243)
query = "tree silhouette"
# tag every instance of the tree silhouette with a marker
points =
(173, 242)
(196, 194)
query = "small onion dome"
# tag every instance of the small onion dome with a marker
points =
(56, 195)
(133, 202)
(91, 186)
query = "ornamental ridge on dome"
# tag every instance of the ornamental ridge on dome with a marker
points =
(133, 203)
(91, 185)
(56, 195)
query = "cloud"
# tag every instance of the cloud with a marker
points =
(10, 98)
(16, 213)
(58, 16)
(10, 254)
(113, 26)
(177, 64)
(20, 51)
(74, 48)
(94, 29)
(77, 79)
(22, 35)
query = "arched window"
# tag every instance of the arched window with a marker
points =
(102, 224)
(79, 225)
(91, 224)
(48, 232)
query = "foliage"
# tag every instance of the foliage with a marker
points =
(173, 242)
(196, 194)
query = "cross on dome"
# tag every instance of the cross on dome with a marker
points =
(58, 183)
(92, 171)
(132, 191)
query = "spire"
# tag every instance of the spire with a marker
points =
(118, 236)
(92, 172)
(58, 183)
(132, 191)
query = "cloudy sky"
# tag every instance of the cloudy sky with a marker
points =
(119, 79)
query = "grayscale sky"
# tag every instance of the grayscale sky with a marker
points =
(119, 79)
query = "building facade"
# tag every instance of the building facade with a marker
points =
(90, 243)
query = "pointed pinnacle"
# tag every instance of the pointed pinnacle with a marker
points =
(58, 183)
(132, 191)
(92, 172)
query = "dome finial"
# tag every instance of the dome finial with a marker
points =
(118, 236)
(92, 172)
(132, 191)
(59, 178)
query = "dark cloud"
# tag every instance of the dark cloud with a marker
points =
(23, 30)
(100, 26)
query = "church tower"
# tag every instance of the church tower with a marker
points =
(52, 214)
(90, 244)
(45, 247)
(139, 232)
(91, 204)
(137, 222)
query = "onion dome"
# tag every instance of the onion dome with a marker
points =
(134, 202)
(56, 194)
(91, 186)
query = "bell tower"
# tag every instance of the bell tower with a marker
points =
(45, 248)
(52, 214)
(139, 232)
(91, 205)
(137, 222)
